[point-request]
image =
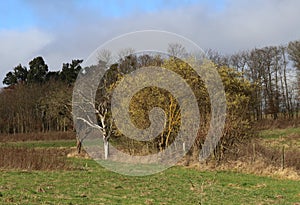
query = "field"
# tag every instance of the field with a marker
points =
(289, 137)
(83, 181)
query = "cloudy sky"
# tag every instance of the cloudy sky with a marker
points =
(62, 30)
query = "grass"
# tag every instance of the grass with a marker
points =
(276, 133)
(178, 185)
(33, 158)
(41, 144)
(276, 138)
(89, 183)
(38, 136)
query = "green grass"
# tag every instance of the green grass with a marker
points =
(92, 184)
(178, 185)
(289, 137)
(276, 133)
(41, 144)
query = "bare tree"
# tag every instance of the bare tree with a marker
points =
(87, 115)
(105, 125)
(294, 55)
(125, 52)
(217, 58)
(105, 56)
(177, 50)
(239, 61)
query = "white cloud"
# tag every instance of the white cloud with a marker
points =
(20, 47)
(240, 24)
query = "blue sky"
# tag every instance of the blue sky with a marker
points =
(18, 14)
(62, 30)
(15, 14)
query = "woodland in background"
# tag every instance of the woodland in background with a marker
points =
(259, 84)
(38, 100)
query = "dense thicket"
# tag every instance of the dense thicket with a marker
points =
(238, 94)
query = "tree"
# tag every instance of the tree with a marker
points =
(294, 53)
(239, 61)
(105, 56)
(238, 92)
(85, 109)
(55, 107)
(10, 79)
(177, 50)
(53, 75)
(217, 58)
(19, 75)
(38, 70)
(70, 71)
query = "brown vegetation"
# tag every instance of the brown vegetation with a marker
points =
(280, 123)
(33, 159)
(38, 136)
(252, 156)
(254, 150)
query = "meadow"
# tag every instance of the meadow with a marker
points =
(79, 180)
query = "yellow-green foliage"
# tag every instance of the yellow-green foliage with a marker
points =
(238, 92)
(238, 97)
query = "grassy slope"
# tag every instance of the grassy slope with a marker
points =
(178, 185)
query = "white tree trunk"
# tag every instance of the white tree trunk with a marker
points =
(106, 149)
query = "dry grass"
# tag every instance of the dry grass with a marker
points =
(254, 150)
(281, 123)
(33, 159)
(47, 136)
(258, 167)
(254, 158)
(73, 153)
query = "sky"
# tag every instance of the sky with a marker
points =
(62, 30)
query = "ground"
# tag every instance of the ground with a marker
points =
(82, 181)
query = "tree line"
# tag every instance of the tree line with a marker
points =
(259, 83)
(36, 99)
(274, 72)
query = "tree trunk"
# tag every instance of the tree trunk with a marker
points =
(106, 149)
(78, 146)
